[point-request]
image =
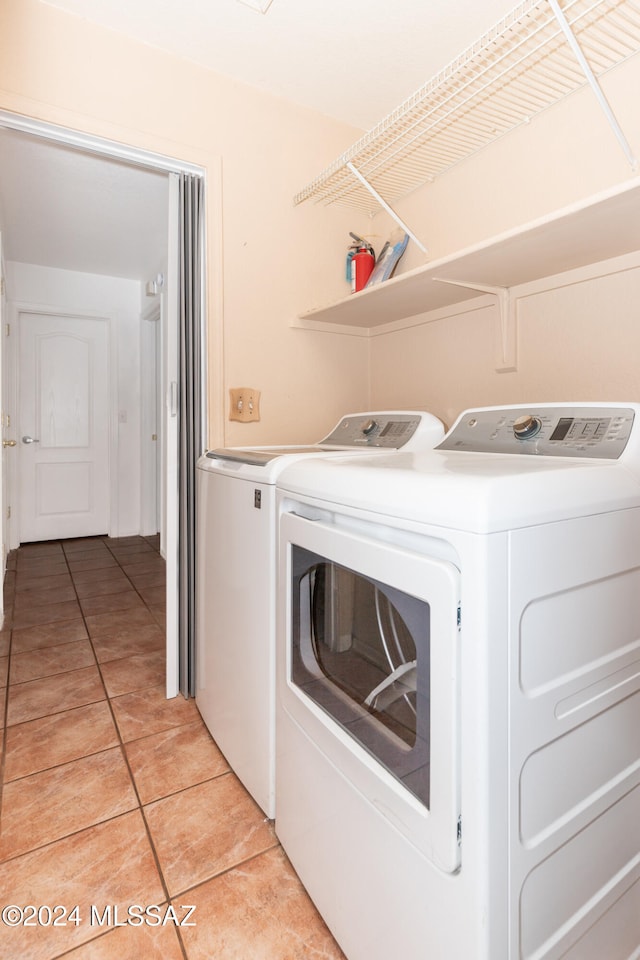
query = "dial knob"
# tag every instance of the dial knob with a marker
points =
(526, 426)
(369, 427)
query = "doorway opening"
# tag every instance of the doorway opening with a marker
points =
(104, 252)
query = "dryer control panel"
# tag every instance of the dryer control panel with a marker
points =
(553, 430)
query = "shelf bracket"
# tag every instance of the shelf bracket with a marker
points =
(595, 86)
(383, 203)
(506, 344)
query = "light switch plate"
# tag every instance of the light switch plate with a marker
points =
(244, 404)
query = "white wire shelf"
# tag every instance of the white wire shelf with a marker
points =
(517, 69)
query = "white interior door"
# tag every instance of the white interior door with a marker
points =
(64, 426)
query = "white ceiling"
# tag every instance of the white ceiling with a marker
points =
(354, 60)
(63, 208)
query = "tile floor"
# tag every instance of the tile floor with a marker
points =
(113, 796)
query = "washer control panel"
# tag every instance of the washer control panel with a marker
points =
(383, 430)
(391, 431)
(549, 431)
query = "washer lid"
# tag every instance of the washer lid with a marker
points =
(375, 432)
(258, 457)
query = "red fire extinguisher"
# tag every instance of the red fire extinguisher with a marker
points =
(360, 263)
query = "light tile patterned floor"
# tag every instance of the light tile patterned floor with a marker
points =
(113, 796)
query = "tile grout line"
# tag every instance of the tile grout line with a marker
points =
(117, 559)
(89, 638)
(123, 745)
(107, 699)
(150, 839)
(170, 898)
(95, 753)
(121, 742)
(233, 866)
(123, 750)
(3, 755)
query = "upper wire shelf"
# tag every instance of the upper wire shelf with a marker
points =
(518, 68)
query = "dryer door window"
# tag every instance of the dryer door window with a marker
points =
(361, 652)
(368, 647)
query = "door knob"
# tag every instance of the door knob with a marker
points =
(9, 443)
(30, 440)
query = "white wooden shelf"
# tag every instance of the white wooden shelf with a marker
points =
(606, 226)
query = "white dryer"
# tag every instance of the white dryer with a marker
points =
(458, 689)
(236, 574)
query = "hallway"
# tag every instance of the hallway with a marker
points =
(114, 798)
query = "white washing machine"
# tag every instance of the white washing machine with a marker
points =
(235, 581)
(458, 689)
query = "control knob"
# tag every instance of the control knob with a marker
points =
(369, 427)
(526, 426)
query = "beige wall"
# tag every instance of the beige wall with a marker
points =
(270, 261)
(267, 260)
(578, 339)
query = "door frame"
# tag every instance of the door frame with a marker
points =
(112, 149)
